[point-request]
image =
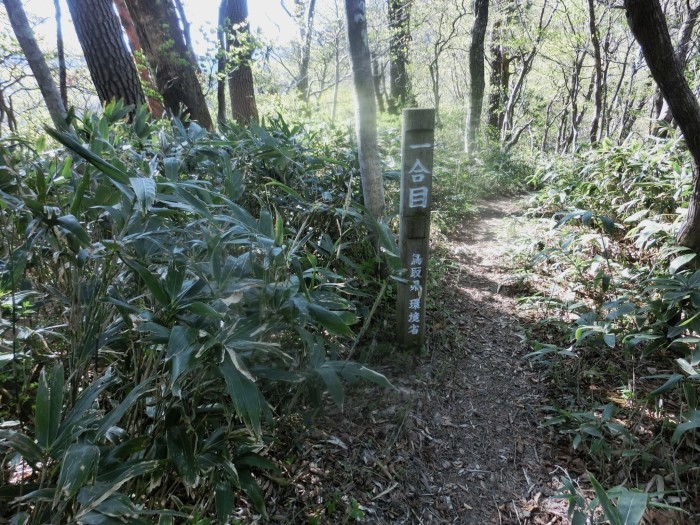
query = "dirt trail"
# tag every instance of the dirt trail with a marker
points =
(487, 460)
(458, 442)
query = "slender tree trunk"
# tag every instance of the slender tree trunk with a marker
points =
(377, 81)
(111, 65)
(7, 113)
(242, 92)
(365, 109)
(598, 65)
(648, 25)
(336, 87)
(305, 58)
(37, 63)
(399, 42)
(434, 69)
(165, 49)
(62, 80)
(222, 65)
(476, 74)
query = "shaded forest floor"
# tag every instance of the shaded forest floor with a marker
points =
(459, 440)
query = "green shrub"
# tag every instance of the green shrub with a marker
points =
(192, 288)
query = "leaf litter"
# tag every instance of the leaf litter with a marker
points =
(458, 440)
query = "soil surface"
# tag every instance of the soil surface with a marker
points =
(458, 441)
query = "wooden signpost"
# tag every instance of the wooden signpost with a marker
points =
(417, 143)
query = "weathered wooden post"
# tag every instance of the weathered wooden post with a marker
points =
(417, 144)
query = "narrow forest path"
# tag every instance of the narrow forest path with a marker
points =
(483, 458)
(459, 440)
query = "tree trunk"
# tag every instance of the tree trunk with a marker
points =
(663, 114)
(377, 80)
(111, 66)
(186, 33)
(154, 104)
(434, 69)
(164, 46)
(648, 25)
(399, 42)
(7, 113)
(598, 65)
(221, 74)
(305, 58)
(499, 79)
(242, 92)
(336, 86)
(365, 109)
(62, 77)
(476, 74)
(37, 63)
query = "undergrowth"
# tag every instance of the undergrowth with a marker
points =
(167, 295)
(619, 325)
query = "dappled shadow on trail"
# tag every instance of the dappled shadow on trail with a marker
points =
(486, 461)
(458, 441)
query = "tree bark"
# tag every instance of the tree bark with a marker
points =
(365, 109)
(62, 77)
(598, 65)
(111, 66)
(476, 74)
(399, 42)
(154, 104)
(681, 54)
(37, 63)
(221, 67)
(242, 91)
(499, 80)
(305, 58)
(648, 25)
(164, 46)
(186, 33)
(377, 80)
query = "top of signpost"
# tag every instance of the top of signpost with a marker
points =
(418, 119)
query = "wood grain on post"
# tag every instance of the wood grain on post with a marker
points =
(417, 143)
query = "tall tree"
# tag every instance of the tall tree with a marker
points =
(476, 73)
(598, 73)
(377, 75)
(62, 76)
(365, 108)
(37, 63)
(499, 80)
(187, 34)
(648, 24)
(163, 44)
(221, 66)
(681, 50)
(239, 51)
(152, 97)
(108, 59)
(506, 92)
(399, 12)
(305, 50)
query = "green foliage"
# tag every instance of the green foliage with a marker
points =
(636, 184)
(628, 510)
(460, 181)
(632, 300)
(196, 286)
